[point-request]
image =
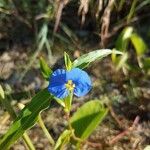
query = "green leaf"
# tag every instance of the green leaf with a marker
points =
(60, 101)
(138, 44)
(142, 4)
(132, 10)
(69, 32)
(68, 62)
(84, 65)
(128, 34)
(87, 118)
(123, 39)
(46, 71)
(2, 95)
(122, 61)
(63, 139)
(26, 119)
(146, 63)
(86, 59)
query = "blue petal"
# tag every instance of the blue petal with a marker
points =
(82, 89)
(81, 80)
(57, 84)
(58, 91)
(58, 77)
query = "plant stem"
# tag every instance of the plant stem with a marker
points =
(28, 142)
(13, 116)
(68, 119)
(41, 123)
(95, 145)
(71, 129)
(132, 10)
(68, 102)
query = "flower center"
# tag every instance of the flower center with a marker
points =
(70, 85)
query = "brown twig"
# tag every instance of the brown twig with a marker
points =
(61, 4)
(94, 145)
(114, 116)
(83, 9)
(127, 131)
(106, 22)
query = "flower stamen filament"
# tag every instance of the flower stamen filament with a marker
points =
(70, 85)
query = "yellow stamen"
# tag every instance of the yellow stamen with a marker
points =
(70, 85)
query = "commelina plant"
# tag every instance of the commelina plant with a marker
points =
(63, 84)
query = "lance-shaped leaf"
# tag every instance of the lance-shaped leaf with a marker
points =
(45, 70)
(2, 95)
(26, 119)
(86, 59)
(146, 63)
(139, 44)
(63, 139)
(68, 62)
(124, 38)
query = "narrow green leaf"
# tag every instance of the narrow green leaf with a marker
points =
(68, 62)
(86, 59)
(60, 101)
(142, 4)
(26, 119)
(84, 65)
(146, 63)
(123, 39)
(132, 10)
(62, 38)
(2, 95)
(113, 57)
(122, 61)
(63, 139)
(138, 44)
(46, 71)
(121, 3)
(87, 118)
(69, 32)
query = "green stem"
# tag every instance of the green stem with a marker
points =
(121, 3)
(68, 102)
(71, 129)
(132, 10)
(13, 115)
(41, 123)
(28, 142)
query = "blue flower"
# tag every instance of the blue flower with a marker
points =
(62, 82)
